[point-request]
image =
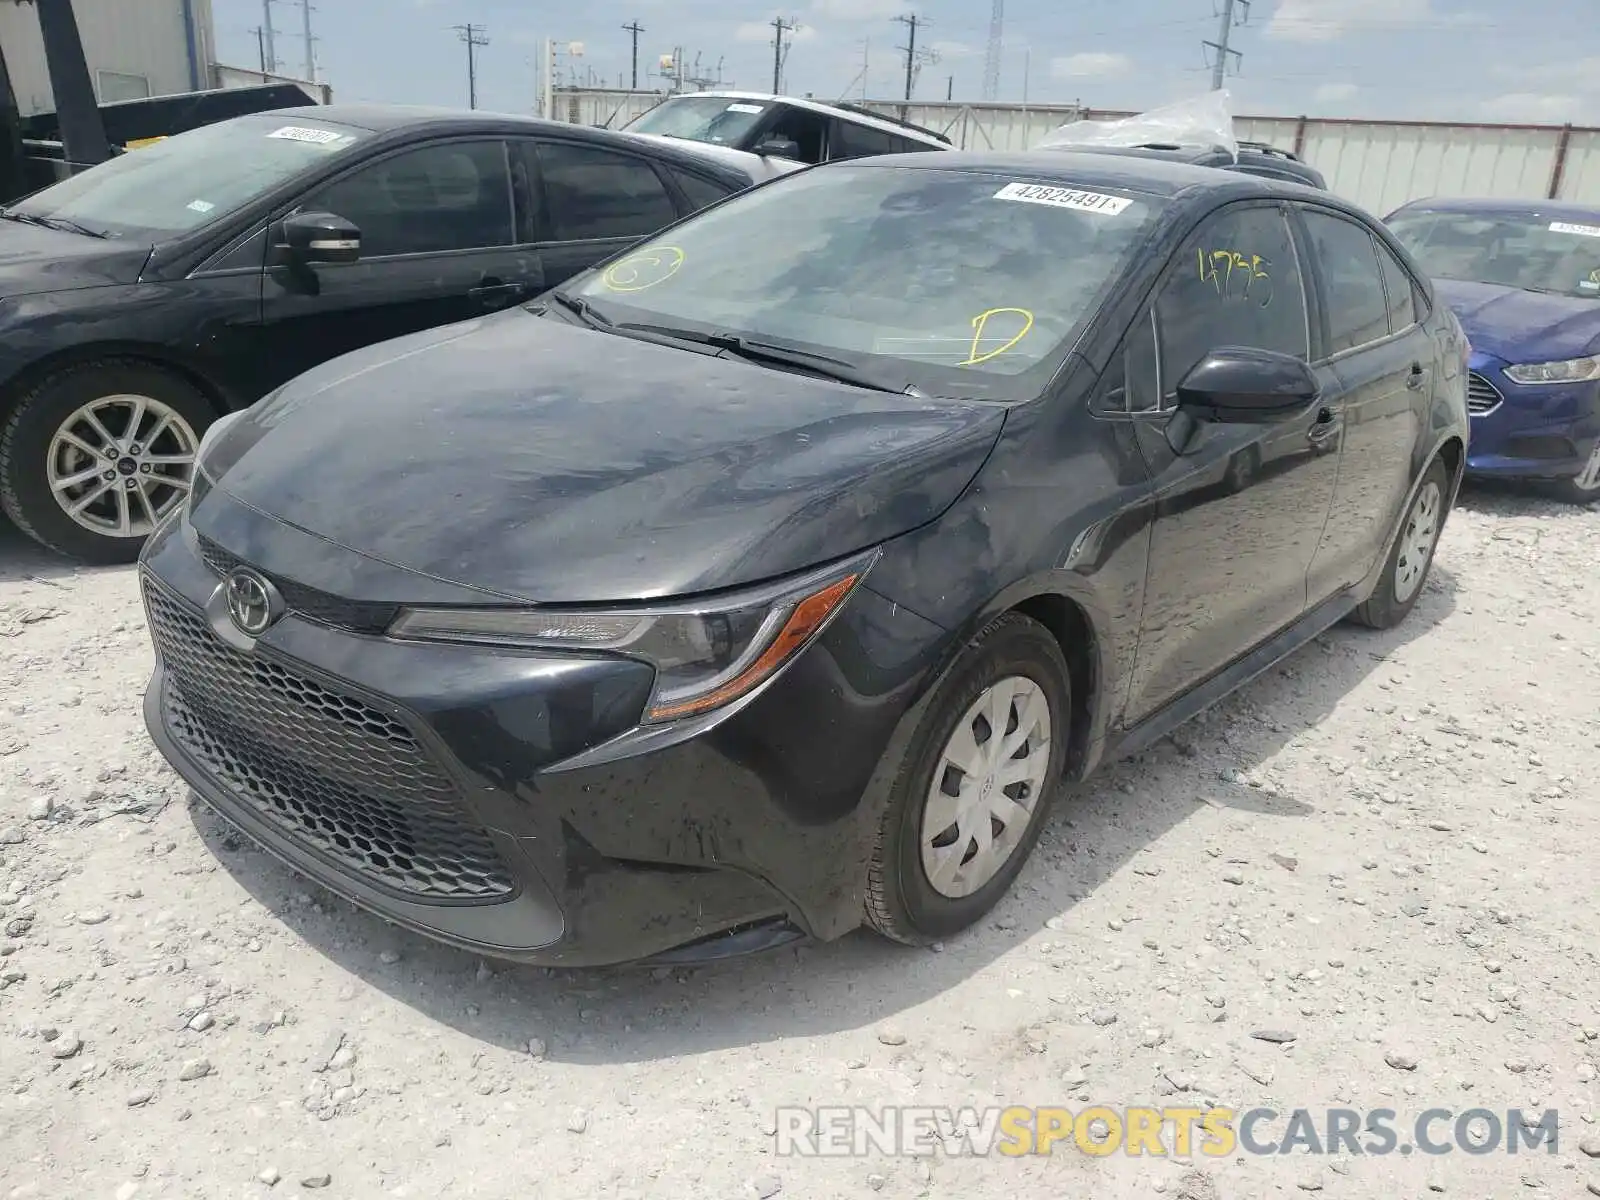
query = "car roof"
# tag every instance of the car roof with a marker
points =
(852, 114)
(1502, 204)
(1156, 176)
(395, 118)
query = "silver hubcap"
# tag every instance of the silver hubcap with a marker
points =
(1416, 542)
(1589, 478)
(120, 464)
(987, 784)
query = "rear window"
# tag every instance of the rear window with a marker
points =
(698, 190)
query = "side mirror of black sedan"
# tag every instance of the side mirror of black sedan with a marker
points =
(779, 147)
(321, 237)
(1240, 385)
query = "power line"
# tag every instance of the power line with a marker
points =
(636, 29)
(1219, 68)
(780, 27)
(991, 57)
(474, 36)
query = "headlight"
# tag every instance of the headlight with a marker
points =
(1573, 370)
(706, 653)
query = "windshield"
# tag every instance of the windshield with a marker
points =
(190, 179)
(954, 282)
(715, 119)
(1538, 253)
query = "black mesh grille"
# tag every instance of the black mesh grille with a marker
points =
(1482, 396)
(327, 768)
(357, 616)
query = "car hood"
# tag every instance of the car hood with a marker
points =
(557, 464)
(34, 259)
(1522, 327)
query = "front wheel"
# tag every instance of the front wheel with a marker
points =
(1584, 487)
(980, 774)
(96, 455)
(1412, 555)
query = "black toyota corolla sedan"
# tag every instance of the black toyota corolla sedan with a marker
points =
(771, 577)
(144, 298)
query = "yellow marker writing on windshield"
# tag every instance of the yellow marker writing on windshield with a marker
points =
(643, 270)
(980, 325)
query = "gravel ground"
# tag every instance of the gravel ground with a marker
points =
(1386, 849)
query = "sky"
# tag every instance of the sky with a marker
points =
(1444, 60)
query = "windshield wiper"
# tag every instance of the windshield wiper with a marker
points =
(584, 310)
(750, 350)
(61, 223)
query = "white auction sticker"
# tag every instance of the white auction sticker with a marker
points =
(299, 133)
(201, 206)
(1060, 197)
(1580, 230)
(746, 108)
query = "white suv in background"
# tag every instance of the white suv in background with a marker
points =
(783, 127)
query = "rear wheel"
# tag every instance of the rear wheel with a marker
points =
(96, 455)
(979, 777)
(1584, 487)
(1412, 554)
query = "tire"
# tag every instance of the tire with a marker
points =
(1403, 578)
(1584, 487)
(32, 447)
(903, 902)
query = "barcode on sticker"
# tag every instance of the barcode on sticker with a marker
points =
(1580, 230)
(299, 133)
(746, 108)
(1059, 197)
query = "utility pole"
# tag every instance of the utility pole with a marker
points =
(636, 29)
(1230, 10)
(914, 57)
(270, 55)
(993, 51)
(311, 54)
(779, 27)
(474, 36)
(950, 88)
(261, 50)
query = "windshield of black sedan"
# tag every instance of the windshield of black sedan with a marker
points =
(958, 278)
(1541, 253)
(190, 179)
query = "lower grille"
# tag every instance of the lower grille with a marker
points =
(326, 768)
(1482, 396)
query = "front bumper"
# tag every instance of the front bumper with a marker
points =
(416, 780)
(1544, 432)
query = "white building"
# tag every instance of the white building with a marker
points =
(135, 48)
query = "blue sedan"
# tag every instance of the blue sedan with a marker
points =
(1524, 279)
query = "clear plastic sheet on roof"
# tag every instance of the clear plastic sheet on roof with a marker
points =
(1204, 120)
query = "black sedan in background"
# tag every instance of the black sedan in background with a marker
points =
(755, 585)
(148, 296)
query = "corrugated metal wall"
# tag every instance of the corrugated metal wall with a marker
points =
(128, 40)
(1378, 164)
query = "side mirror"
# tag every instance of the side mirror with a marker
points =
(1239, 385)
(321, 237)
(778, 147)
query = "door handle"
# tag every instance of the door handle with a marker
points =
(491, 290)
(1418, 377)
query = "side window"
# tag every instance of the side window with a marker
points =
(593, 193)
(1402, 291)
(803, 127)
(699, 190)
(857, 141)
(1237, 282)
(1358, 311)
(448, 196)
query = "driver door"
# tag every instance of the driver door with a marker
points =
(1240, 507)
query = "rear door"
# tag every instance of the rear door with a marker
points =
(438, 245)
(1385, 360)
(1239, 507)
(589, 202)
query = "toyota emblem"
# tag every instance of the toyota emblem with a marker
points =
(253, 603)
